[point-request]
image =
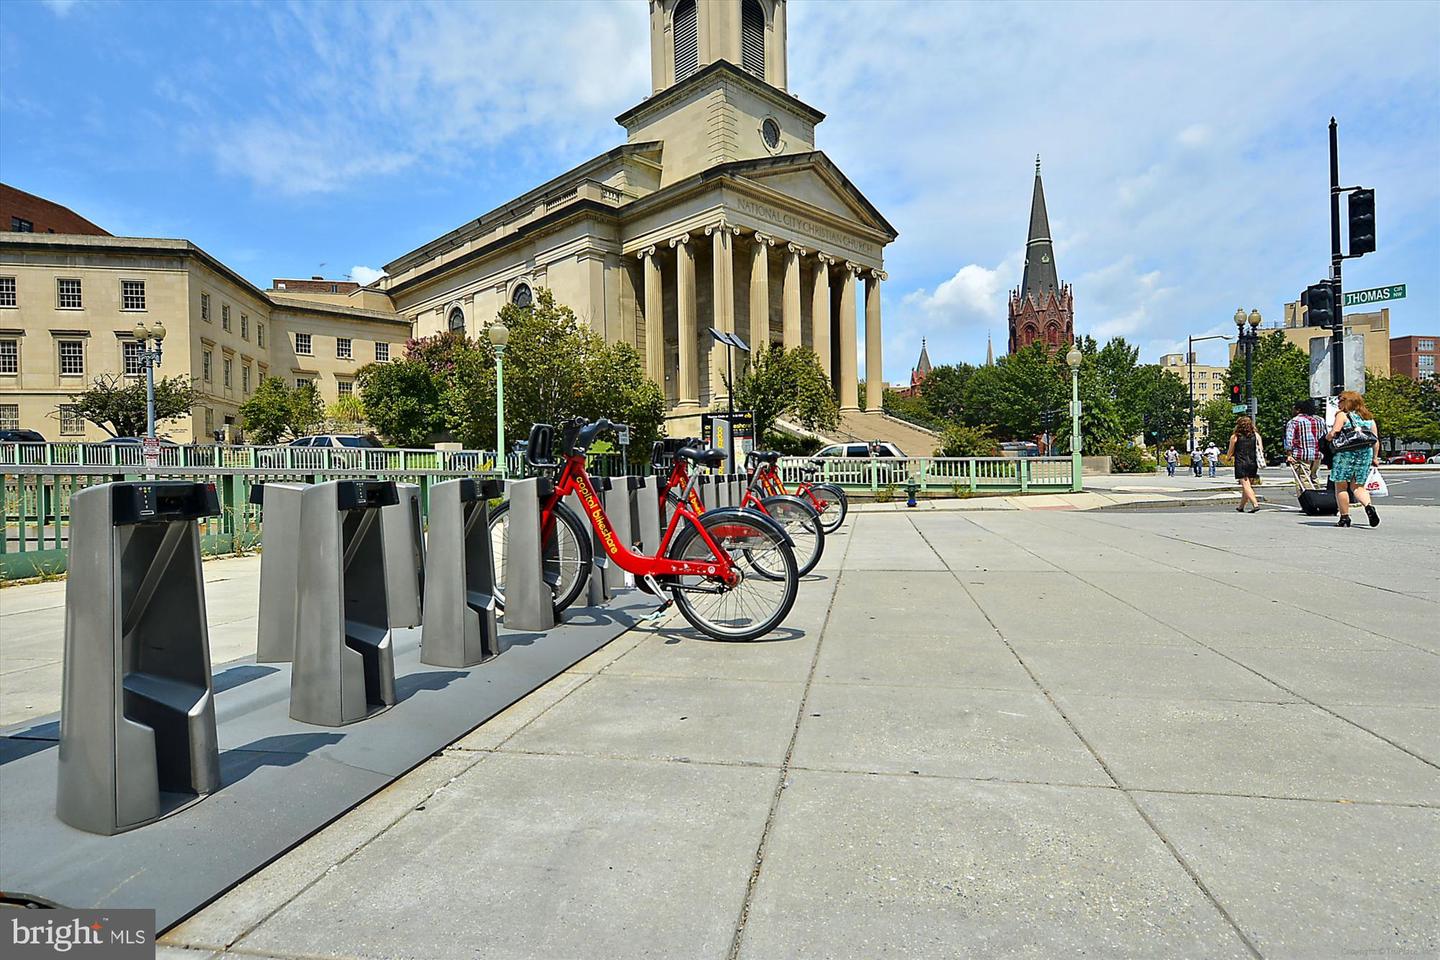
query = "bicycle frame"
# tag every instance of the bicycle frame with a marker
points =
(575, 479)
(768, 479)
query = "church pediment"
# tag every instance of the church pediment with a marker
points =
(812, 179)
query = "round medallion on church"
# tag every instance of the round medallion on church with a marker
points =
(770, 130)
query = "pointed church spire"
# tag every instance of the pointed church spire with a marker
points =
(923, 365)
(1040, 276)
(990, 348)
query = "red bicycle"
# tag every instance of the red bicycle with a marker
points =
(828, 499)
(731, 572)
(799, 519)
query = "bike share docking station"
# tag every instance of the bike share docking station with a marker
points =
(598, 585)
(529, 591)
(324, 604)
(137, 728)
(645, 501)
(459, 628)
(404, 536)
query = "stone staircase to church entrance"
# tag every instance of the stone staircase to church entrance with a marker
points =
(864, 425)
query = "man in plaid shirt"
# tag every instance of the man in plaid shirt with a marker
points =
(1302, 438)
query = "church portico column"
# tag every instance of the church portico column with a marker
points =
(687, 380)
(849, 361)
(820, 311)
(722, 239)
(874, 367)
(760, 292)
(791, 313)
(654, 318)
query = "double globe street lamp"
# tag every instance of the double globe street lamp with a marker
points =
(149, 357)
(1248, 339)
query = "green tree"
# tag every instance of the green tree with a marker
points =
(1281, 374)
(912, 408)
(786, 383)
(1162, 402)
(1219, 420)
(275, 411)
(1014, 395)
(1398, 403)
(117, 404)
(402, 401)
(943, 390)
(962, 441)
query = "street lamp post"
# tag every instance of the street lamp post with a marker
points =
(1073, 358)
(1190, 365)
(499, 336)
(150, 359)
(1249, 338)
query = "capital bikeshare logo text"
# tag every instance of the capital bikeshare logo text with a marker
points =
(107, 934)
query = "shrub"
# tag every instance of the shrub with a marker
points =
(1128, 458)
(790, 444)
(962, 441)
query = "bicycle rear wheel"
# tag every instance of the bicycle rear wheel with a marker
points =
(754, 605)
(837, 505)
(802, 522)
(567, 557)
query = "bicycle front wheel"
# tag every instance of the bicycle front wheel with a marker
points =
(753, 605)
(568, 555)
(802, 522)
(837, 505)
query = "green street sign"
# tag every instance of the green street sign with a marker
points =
(1239, 408)
(1358, 298)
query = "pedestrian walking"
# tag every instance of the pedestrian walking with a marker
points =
(1302, 438)
(1245, 448)
(1195, 459)
(1171, 459)
(1212, 457)
(1356, 441)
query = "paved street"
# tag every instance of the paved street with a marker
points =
(1008, 734)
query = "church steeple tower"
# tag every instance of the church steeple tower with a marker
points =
(1041, 308)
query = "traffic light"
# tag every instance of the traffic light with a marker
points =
(1237, 395)
(1319, 301)
(1362, 222)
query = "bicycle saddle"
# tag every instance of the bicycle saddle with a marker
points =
(766, 456)
(706, 456)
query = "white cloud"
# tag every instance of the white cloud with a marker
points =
(60, 8)
(973, 293)
(365, 275)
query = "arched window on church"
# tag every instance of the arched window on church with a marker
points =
(752, 37)
(1052, 334)
(456, 320)
(686, 31)
(1029, 335)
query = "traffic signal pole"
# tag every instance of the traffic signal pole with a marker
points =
(1337, 326)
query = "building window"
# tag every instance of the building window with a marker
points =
(205, 307)
(20, 225)
(686, 30)
(343, 349)
(244, 326)
(1426, 345)
(522, 296)
(130, 352)
(72, 358)
(68, 294)
(245, 378)
(9, 356)
(259, 334)
(71, 423)
(9, 416)
(132, 294)
(302, 344)
(209, 421)
(382, 352)
(1425, 363)
(345, 387)
(224, 316)
(752, 38)
(7, 292)
(301, 382)
(456, 320)
(225, 365)
(206, 361)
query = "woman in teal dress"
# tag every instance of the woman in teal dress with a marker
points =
(1351, 468)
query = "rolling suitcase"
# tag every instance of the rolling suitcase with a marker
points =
(1314, 501)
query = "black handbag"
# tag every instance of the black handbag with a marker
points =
(1355, 435)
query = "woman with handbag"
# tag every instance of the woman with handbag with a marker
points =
(1356, 442)
(1245, 448)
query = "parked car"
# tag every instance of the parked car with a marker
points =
(878, 450)
(1408, 457)
(1434, 458)
(334, 440)
(20, 436)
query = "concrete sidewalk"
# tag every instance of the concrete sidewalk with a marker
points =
(1009, 734)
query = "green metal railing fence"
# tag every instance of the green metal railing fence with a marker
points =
(946, 475)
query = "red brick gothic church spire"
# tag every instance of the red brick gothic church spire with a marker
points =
(1041, 308)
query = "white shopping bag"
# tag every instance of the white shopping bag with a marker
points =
(1375, 483)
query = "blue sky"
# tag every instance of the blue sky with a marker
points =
(1184, 145)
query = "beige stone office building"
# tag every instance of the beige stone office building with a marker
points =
(1202, 381)
(1374, 326)
(69, 304)
(716, 213)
